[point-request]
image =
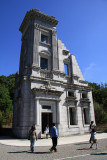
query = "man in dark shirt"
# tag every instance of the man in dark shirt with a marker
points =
(54, 136)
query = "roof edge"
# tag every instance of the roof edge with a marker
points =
(35, 13)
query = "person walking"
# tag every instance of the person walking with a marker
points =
(54, 136)
(92, 125)
(32, 136)
(47, 131)
(93, 138)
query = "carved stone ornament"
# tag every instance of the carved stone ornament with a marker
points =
(47, 85)
(36, 26)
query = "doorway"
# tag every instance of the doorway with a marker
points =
(46, 120)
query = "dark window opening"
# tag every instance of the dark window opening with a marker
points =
(44, 63)
(44, 38)
(86, 116)
(70, 94)
(72, 116)
(84, 95)
(46, 107)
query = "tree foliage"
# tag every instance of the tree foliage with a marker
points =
(99, 92)
(6, 99)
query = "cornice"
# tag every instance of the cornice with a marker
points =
(81, 81)
(36, 14)
(47, 91)
(67, 86)
(85, 100)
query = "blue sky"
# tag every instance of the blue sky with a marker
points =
(82, 28)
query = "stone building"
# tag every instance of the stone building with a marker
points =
(49, 86)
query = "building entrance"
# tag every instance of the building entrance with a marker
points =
(46, 120)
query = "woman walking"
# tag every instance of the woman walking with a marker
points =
(33, 137)
(47, 131)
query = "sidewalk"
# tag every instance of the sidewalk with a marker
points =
(48, 142)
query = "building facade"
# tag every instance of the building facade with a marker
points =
(49, 86)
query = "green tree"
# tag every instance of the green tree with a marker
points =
(100, 114)
(99, 92)
(6, 106)
(96, 92)
(9, 83)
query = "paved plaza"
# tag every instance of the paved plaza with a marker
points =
(75, 147)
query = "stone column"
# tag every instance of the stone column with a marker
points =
(91, 107)
(36, 112)
(68, 116)
(82, 112)
(54, 51)
(36, 45)
(76, 111)
(58, 113)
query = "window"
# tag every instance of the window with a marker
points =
(70, 94)
(84, 95)
(86, 115)
(46, 107)
(44, 38)
(72, 113)
(44, 63)
(66, 69)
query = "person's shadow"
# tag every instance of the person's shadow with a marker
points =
(30, 152)
(83, 149)
(99, 154)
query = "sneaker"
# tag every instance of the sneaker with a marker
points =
(51, 150)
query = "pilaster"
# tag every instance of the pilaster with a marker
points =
(54, 51)
(58, 112)
(35, 46)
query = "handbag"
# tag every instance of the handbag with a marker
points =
(29, 135)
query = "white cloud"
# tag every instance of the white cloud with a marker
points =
(89, 71)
